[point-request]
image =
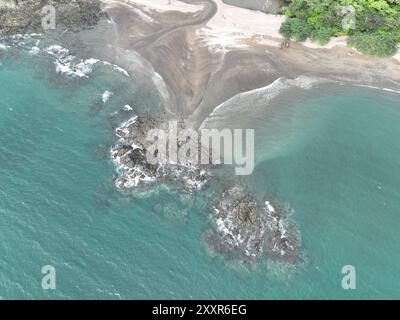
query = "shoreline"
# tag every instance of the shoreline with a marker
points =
(213, 55)
(198, 54)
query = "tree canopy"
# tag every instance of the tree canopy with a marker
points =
(373, 26)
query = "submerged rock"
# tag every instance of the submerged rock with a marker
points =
(101, 151)
(245, 228)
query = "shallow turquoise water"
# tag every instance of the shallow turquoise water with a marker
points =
(58, 207)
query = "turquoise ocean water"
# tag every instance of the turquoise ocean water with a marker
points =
(340, 171)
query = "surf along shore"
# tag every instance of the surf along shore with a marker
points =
(200, 53)
(206, 52)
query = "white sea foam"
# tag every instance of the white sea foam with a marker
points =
(279, 86)
(131, 177)
(161, 86)
(378, 88)
(127, 108)
(123, 130)
(19, 39)
(34, 50)
(106, 96)
(4, 47)
(269, 207)
(267, 93)
(116, 68)
(67, 64)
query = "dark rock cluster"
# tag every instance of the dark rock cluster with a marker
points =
(243, 226)
(130, 157)
(246, 228)
(25, 16)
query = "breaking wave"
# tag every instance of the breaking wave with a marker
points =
(65, 62)
(261, 97)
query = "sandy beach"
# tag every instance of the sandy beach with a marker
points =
(203, 52)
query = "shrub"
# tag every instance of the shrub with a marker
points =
(377, 23)
(297, 29)
(322, 35)
(376, 44)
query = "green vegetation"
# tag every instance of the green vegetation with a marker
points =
(373, 26)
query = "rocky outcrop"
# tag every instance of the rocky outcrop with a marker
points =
(135, 171)
(17, 16)
(248, 229)
(243, 226)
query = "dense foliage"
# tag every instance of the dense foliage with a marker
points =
(373, 26)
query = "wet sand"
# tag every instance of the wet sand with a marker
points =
(205, 52)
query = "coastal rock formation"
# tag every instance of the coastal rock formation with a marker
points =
(247, 229)
(130, 157)
(26, 16)
(243, 226)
